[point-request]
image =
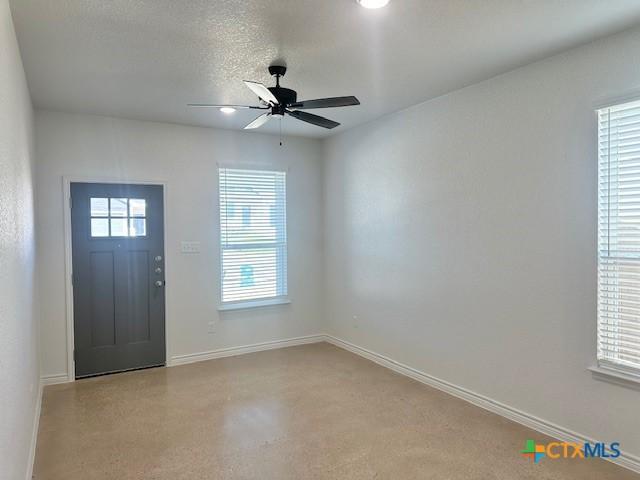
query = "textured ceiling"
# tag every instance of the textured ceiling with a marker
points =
(146, 59)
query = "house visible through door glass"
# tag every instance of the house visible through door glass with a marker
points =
(137, 227)
(137, 207)
(118, 227)
(118, 217)
(99, 227)
(118, 207)
(99, 207)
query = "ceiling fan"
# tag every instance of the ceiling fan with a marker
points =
(280, 101)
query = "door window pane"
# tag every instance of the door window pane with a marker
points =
(137, 227)
(137, 207)
(99, 227)
(99, 207)
(118, 207)
(119, 227)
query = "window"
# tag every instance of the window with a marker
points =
(619, 237)
(118, 217)
(253, 238)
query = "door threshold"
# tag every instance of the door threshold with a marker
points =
(114, 372)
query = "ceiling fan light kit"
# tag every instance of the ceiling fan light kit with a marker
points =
(280, 101)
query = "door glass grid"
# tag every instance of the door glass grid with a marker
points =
(118, 217)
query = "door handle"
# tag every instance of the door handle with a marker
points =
(159, 283)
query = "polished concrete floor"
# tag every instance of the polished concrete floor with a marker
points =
(308, 412)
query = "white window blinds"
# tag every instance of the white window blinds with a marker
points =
(253, 236)
(619, 237)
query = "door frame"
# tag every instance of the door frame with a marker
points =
(67, 180)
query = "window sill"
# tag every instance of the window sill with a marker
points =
(253, 304)
(616, 377)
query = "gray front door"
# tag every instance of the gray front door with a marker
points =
(118, 277)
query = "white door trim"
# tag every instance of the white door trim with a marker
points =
(67, 180)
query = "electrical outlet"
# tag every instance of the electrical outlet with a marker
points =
(212, 327)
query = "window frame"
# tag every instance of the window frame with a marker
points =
(282, 296)
(604, 369)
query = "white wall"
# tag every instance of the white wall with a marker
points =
(19, 370)
(462, 235)
(186, 158)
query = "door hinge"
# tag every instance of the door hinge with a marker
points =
(74, 355)
(70, 202)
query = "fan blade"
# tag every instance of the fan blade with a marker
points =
(237, 107)
(313, 119)
(261, 120)
(261, 91)
(327, 102)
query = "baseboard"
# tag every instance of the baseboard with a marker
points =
(626, 460)
(233, 351)
(34, 433)
(54, 379)
(212, 354)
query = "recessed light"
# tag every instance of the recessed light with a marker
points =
(227, 110)
(373, 3)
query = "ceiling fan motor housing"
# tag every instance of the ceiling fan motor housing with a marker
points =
(285, 96)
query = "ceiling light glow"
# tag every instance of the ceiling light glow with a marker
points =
(227, 110)
(373, 3)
